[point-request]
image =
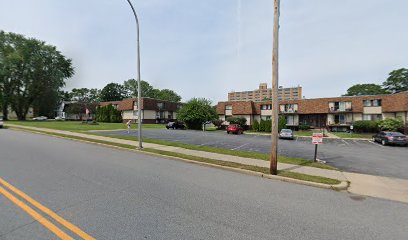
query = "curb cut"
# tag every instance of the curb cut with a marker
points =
(339, 187)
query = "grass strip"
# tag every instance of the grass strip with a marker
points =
(254, 155)
(299, 176)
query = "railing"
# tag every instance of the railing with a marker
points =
(333, 110)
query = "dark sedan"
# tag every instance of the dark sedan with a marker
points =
(175, 125)
(391, 138)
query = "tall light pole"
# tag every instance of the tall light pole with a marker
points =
(275, 77)
(139, 91)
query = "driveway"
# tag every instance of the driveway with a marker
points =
(349, 155)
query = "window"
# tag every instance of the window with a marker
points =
(266, 117)
(160, 105)
(290, 120)
(372, 117)
(372, 103)
(340, 119)
(266, 107)
(228, 107)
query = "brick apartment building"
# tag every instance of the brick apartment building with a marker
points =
(153, 110)
(266, 93)
(337, 113)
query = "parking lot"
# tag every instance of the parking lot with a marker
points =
(349, 155)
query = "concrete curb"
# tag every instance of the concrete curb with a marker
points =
(339, 187)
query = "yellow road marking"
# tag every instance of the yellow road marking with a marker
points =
(36, 216)
(48, 211)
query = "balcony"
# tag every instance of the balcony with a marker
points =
(289, 111)
(340, 123)
(337, 110)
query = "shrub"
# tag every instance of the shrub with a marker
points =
(108, 114)
(195, 112)
(391, 124)
(281, 122)
(237, 120)
(304, 127)
(217, 123)
(255, 126)
(365, 126)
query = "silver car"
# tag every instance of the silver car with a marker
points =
(286, 134)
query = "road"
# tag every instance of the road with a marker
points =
(115, 194)
(351, 155)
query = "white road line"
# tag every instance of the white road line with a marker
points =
(243, 145)
(345, 142)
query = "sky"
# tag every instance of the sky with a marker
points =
(209, 48)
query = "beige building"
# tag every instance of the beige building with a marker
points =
(265, 93)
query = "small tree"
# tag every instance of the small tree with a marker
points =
(391, 124)
(195, 112)
(217, 123)
(108, 114)
(281, 122)
(255, 126)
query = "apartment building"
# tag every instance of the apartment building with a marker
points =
(265, 93)
(337, 113)
(153, 110)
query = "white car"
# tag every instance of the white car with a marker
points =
(1, 122)
(40, 118)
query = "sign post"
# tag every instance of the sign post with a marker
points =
(316, 140)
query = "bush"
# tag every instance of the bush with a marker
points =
(366, 126)
(390, 124)
(255, 126)
(281, 122)
(108, 114)
(237, 120)
(217, 123)
(304, 127)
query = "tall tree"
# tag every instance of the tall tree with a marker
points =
(31, 73)
(168, 95)
(131, 87)
(113, 92)
(397, 81)
(365, 89)
(85, 95)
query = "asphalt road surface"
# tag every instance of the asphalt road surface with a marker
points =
(115, 194)
(348, 155)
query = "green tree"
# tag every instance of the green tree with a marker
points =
(255, 126)
(131, 88)
(108, 114)
(365, 89)
(113, 92)
(195, 112)
(237, 120)
(397, 81)
(168, 95)
(31, 74)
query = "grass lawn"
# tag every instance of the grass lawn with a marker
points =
(255, 155)
(353, 135)
(76, 126)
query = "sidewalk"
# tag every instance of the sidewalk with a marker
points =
(362, 184)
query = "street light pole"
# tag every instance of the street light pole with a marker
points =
(139, 91)
(275, 77)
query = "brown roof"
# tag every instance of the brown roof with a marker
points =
(390, 103)
(147, 104)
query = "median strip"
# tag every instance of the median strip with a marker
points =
(37, 216)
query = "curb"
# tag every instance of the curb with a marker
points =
(339, 187)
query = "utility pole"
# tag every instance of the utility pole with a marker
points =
(275, 78)
(139, 90)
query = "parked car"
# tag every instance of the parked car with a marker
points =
(1, 122)
(235, 128)
(286, 134)
(40, 118)
(175, 125)
(391, 138)
(59, 118)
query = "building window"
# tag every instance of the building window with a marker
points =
(340, 106)
(160, 105)
(340, 119)
(290, 120)
(372, 103)
(228, 107)
(288, 108)
(266, 107)
(266, 117)
(372, 117)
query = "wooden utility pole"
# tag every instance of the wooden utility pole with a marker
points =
(275, 77)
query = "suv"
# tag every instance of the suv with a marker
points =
(175, 125)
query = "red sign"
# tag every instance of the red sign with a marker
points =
(317, 138)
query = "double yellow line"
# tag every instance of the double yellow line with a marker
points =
(37, 216)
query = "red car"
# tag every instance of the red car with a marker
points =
(235, 128)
